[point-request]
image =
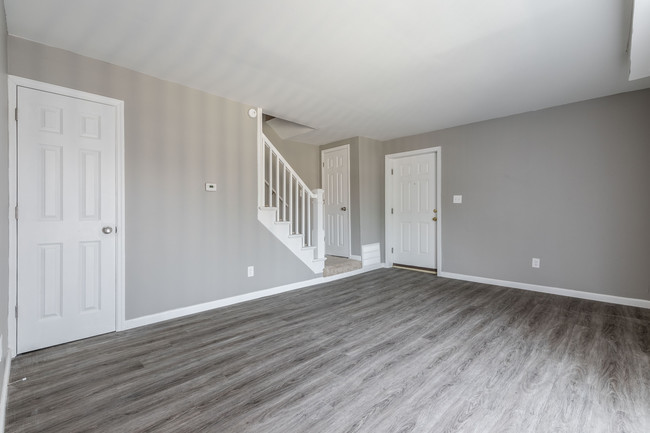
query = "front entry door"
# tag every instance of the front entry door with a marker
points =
(414, 213)
(66, 219)
(336, 209)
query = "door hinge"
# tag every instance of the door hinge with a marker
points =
(391, 171)
(323, 164)
(16, 113)
(16, 212)
(392, 250)
(391, 211)
(16, 311)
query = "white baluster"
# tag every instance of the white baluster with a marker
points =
(304, 197)
(319, 230)
(277, 188)
(297, 207)
(308, 232)
(284, 193)
(270, 177)
(290, 203)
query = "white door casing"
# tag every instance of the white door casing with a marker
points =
(336, 210)
(413, 211)
(68, 180)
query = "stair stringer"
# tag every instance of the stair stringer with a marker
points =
(281, 230)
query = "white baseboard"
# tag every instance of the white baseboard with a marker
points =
(193, 309)
(353, 257)
(4, 390)
(642, 303)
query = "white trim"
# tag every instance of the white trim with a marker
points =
(370, 254)
(388, 164)
(322, 182)
(632, 302)
(4, 391)
(120, 261)
(193, 309)
(260, 159)
(355, 257)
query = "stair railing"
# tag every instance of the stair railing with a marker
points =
(281, 188)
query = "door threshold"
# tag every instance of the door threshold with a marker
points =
(416, 268)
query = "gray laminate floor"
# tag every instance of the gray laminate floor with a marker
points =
(387, 351)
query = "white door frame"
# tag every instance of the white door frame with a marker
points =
(389, 165)
(322, 184)
(13, 83)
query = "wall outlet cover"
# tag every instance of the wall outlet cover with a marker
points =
(458, 199)
(251, 271)
(211, 187)
(536, 262)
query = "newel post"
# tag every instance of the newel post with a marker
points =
(318, 231)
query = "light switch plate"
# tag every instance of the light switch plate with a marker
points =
(251, 271)
(211, 187)
(458, 199)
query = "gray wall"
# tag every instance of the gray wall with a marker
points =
(371, 191)
(355, 214)
(303, 158)
(570, 185)
(4, 187)
(183, 246)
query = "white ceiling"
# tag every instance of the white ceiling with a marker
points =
(374, 68)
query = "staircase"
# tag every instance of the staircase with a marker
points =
(287, 207)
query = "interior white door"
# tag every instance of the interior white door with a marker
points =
(336, 209)
(414, 211)
(66, 219)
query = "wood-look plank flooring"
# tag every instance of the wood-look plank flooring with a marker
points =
(387, 351)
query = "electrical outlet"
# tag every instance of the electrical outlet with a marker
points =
(211, 187)
(251, 271)
(535, 262)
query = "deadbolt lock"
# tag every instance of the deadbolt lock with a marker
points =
(435, 218)
(435, 211)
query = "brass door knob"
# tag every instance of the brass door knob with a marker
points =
(435, 218)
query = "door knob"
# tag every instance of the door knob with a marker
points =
(435, 218)
(435, 211)
(344, 208)
(107, 230)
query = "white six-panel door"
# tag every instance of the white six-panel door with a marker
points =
(66, 219)
(336, 209)
(414, 210)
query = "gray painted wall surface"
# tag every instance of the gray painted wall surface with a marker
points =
(355, 215)
(4, 187)
(570, 185)
(304, 158)
(371, 191)
(184, 246)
